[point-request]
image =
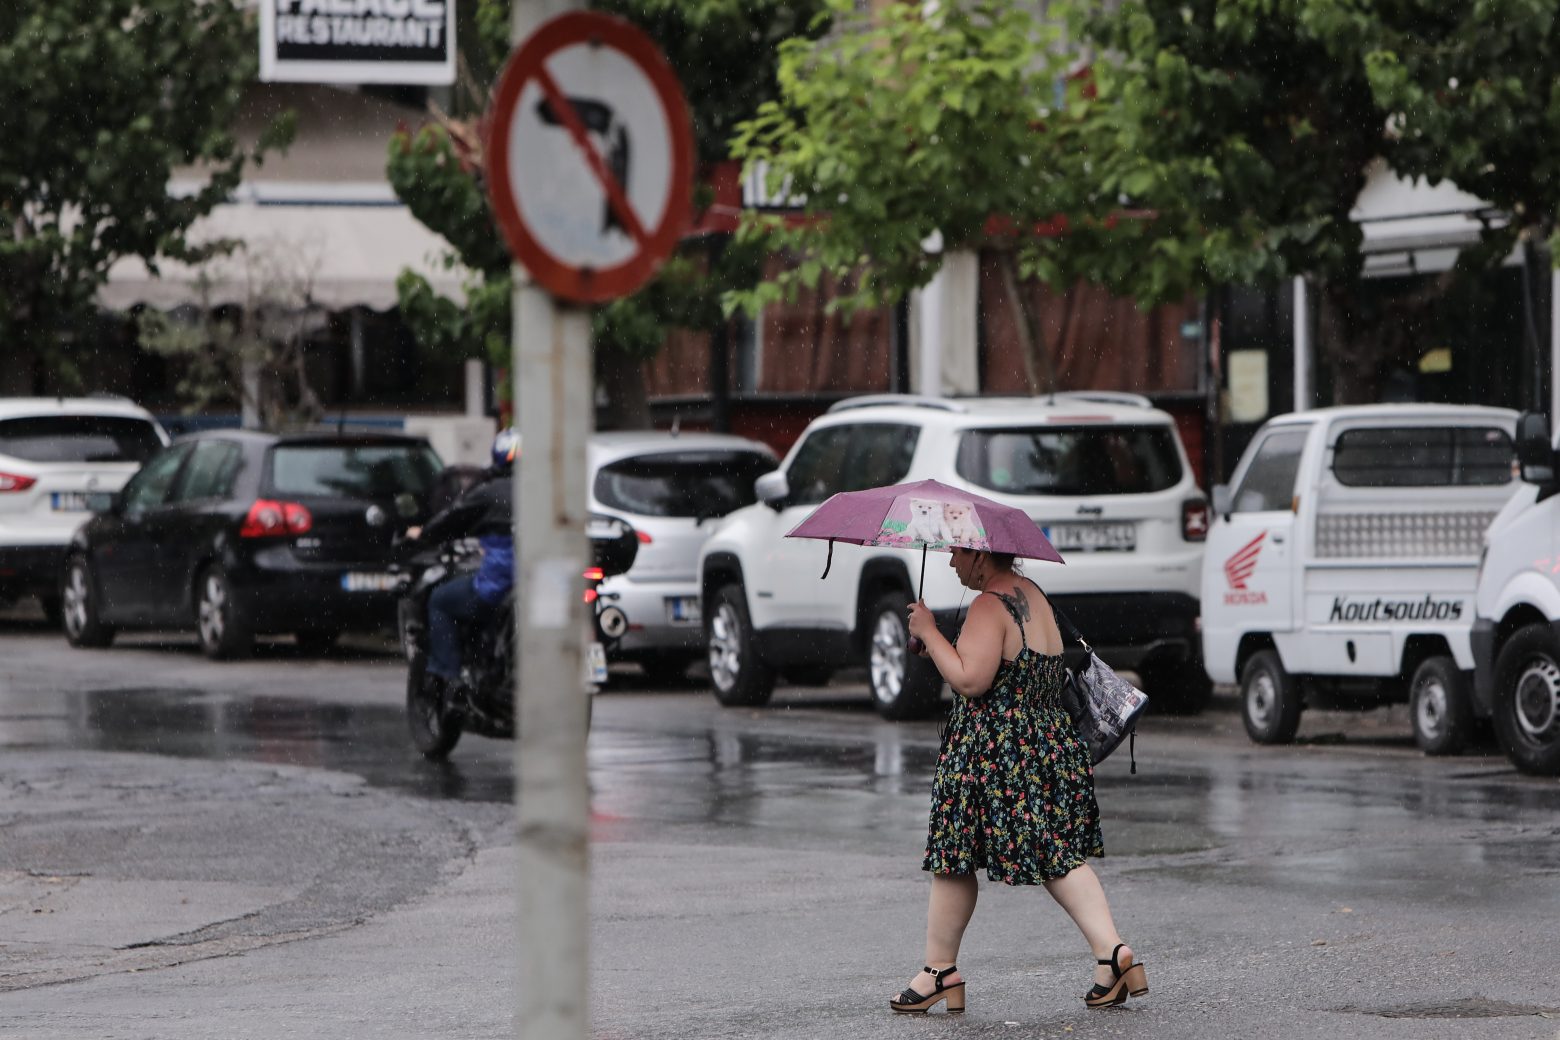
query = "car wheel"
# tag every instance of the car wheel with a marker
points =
(316, 641)
(808, 674)
(737, 674)
(1438, 705)
(434, 728)
(1270, 699)
(1177, 687)
(1527, 700)
(79, 607)
(904, 685)
(219, 622)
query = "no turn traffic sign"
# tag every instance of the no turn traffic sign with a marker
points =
(590, 157)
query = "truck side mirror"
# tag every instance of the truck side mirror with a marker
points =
(1223, 503)
(772, 489)
(1535, 450)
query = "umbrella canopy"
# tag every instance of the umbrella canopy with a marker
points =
(925, 514)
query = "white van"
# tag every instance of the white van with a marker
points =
(1516, 626)
(1341, 563)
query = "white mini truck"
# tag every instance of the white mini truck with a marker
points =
(1341, 564)
(1516, 627)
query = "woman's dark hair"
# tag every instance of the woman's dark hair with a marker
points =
(1003, 560)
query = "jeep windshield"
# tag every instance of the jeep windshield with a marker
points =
(1070, 460)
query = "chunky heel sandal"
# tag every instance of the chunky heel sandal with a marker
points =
(910, 1002)
(1131, 979)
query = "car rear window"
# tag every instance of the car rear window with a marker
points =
(1424, 456)
(354, 470)
(1070, 460)
(79, 438)
(682, 484)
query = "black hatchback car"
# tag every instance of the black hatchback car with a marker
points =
(237, 534)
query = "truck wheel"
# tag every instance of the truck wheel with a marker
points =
(1527, 700)
(1270, 699)
(904, 685)
(1438, 705)
(1177, 687)
(738, 675)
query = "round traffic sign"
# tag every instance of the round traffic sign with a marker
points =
(590, 157)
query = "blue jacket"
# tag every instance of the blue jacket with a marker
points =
(485, 510)
(496, 576)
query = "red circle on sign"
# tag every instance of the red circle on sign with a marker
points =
(585, 284)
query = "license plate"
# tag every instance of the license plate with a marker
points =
(595, 662)
(684, 609)
(1092, 537)
(358, 581)
(69, 502)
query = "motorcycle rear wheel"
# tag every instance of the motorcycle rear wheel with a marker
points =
(434, 728)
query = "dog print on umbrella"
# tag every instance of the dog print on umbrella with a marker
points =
(916, 523)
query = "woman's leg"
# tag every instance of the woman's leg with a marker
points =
(948, 912)
(1083, 897)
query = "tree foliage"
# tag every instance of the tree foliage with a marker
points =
(723, 52)
(901, 136)
(100, 101)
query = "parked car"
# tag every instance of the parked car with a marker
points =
(1516, 625)
(54, 453)
(671, 488)
(1105, 475)
(236, 534)
(1342, 562)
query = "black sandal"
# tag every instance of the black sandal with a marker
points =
(910, 1002)
(1132, 979)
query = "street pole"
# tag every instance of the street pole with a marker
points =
(554, 399)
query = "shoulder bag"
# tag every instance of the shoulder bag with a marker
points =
(1104, 706)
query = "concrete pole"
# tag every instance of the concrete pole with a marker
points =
(476, 388)
(1303, 388)
(553, 394)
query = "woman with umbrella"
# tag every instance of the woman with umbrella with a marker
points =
(1013, 791)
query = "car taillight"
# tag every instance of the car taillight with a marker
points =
(268, 519)
(644, 537)
(1194, 520)
(595, 574)
(16, 482)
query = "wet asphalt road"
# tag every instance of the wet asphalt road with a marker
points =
(251, 849)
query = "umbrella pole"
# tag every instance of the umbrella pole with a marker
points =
(922, 584)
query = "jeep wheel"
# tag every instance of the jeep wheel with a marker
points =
(1438, 705)
(1177, 687)
(904, 685)
(1270, 699)
(738, 675)
(1527, 700)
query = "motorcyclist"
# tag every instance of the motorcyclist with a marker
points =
(484, 510)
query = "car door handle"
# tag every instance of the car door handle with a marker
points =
(1278, 539)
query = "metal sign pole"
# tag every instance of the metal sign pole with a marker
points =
(553, 395)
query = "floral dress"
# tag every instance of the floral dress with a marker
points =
(1014, 789)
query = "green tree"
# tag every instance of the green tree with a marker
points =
(902, 135)
(723, 52)
(99, 101)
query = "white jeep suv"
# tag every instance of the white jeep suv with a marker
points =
(56, 452)
(1104, 474)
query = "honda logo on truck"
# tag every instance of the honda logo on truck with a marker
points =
(1238, 570)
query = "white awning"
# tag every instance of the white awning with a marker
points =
(346, 243)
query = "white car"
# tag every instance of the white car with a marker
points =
(672, 488)
(56, 452)
(1104, 474)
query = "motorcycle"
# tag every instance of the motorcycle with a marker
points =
(482, 700)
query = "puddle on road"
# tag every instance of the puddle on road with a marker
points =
(369, 741)
(1468, 1007)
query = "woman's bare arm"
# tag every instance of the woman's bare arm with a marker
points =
(972, 665)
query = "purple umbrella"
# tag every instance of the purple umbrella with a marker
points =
(926, 515)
